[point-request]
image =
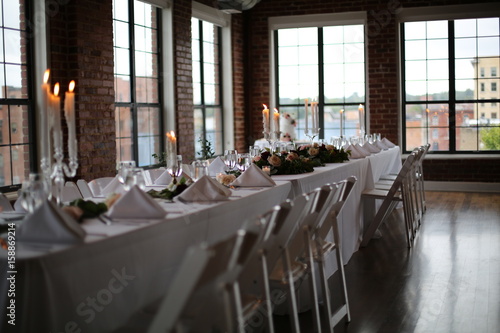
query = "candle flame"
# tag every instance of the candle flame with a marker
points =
(56, 89)
(171, 134)
(341, 110)
(46, 76)
(265, 106)
(427, 110)
(276, 111)
(72, 86)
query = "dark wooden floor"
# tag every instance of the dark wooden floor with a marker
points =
(448, 282)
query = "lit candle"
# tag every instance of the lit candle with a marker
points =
(266, 169)
(44, 123)
(342, 122)
(314, 117)
(69, 113)
(361, 112)
(265, 119)
(306, 106)
(276, 120)
(171, 148)
(56, 117)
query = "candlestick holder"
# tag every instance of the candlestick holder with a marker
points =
(267, 137)
(174, 167)
(60, 169)
(312, 134)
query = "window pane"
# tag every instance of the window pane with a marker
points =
(12, 40)
(488, 46)
(465, 28)
(120, 35)
(146, 90)
(415, 30)
(465, 48)
(19, 130)
(437, 29)
(122, 61)
(437, 49)
(415, 50)
(488, 27)
(120, 10)
(123, 122)
(12, 13)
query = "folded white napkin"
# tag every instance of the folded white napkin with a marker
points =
(363, 150)
(136, 204)
(216, 167)
(166, 179)
(50, 224)
(205, 189)
(388, 143)
(381, 145)
(254, 176)
(114, 186)
(355, 153)
(371, 148)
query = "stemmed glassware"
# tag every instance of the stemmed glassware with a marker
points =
(174, 167)
(254, 151)
(135, 176)
(230, 159)
(122, 168)
(312, 133)
(200, 169)
(34, 192)
(244, 162)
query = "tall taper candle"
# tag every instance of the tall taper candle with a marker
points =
(276, 120)
(306, 107)
(44, 117)
(171, 148)
(265, 119)
(56, 117)
(361, 112)
(342, 122)
(69, 113)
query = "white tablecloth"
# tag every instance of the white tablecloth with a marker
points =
(120, 268)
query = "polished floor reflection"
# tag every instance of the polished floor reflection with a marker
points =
(448, 282)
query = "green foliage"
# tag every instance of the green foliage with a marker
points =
(206, 149)
(491, 137)
(171, 191)
(90, 209)
(162, 159)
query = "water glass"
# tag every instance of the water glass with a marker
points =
(34, 192)
(244, 162)
(230, 158)
(254, 151)
(122, 167)
(200, 169)
(135, 176)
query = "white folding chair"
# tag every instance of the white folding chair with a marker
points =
(398, 192)
(96, 185)
(84, 188)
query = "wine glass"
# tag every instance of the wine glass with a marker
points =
(244, 162)
(230, 158)
(200, 169)
(254, 151)
(122, 167)
(135, 176)
(34, 192)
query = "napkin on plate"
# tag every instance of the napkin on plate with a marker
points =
(114, 186)
(371, 148)
(363, 150)
(216, 167)
(136, 204)
(166, 179)
(205, 189)
(355, 153)
(50, 224)
(388, 143)
(253, 176)
(381, 145)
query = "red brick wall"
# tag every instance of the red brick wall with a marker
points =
(382, 60)
(81, 44)
(240, 134)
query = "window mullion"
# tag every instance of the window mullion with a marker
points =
(452, 93)
(133, 100)
(321, 83)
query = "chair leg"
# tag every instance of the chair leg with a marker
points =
(312, 280)
(326, 293)
(267, 294)
(240, 321)
(292, 298)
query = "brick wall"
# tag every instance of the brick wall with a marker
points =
(81, 44)
(382, 60)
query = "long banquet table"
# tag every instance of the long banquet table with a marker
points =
(97, 285)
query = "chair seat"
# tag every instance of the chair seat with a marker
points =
(278, 274)
(380, 194)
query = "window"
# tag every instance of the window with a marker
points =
(16, 104)
(207, 84)
(139, 121)
(493, 71)
(493, 115)
(326, 64)
(444, 61)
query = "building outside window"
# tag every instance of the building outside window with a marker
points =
(139, 121)
(16, 100)
(443, 72)
(207, 84)
(326, 64)
(493, 71)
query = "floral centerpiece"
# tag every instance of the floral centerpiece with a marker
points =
(171, 190)
(321, 153)
(285, 163)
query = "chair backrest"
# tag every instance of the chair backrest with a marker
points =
(70, 192)
(5, 205)
(84, 188)
(96, 185)
(181, 289)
